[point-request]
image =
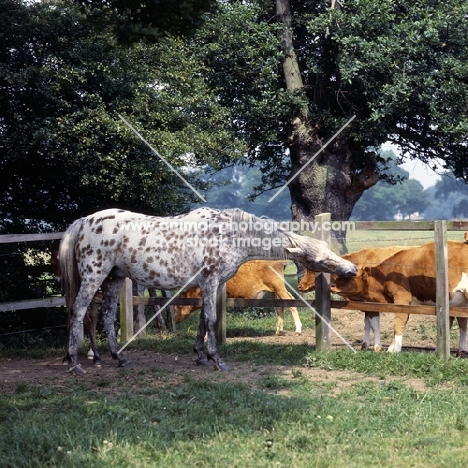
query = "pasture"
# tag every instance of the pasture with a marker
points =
(282, 404)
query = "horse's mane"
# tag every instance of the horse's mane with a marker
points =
(262, 228)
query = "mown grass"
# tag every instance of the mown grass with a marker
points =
(280, 421)
(221, 424)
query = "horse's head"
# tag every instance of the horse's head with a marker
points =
(316, 256)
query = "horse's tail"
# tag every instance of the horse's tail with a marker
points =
(71, 279)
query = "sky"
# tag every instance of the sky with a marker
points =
(417, 170)
(422, 172)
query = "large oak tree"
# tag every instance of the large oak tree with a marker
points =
(294, 71)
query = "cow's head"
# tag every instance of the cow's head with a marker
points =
(307, 282)
(352, 287)
(182, 312)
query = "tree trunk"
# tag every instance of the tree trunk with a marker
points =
(331, 183)
(327, 185)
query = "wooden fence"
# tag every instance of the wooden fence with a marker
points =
(322, 303)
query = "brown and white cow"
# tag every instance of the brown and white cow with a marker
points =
(252, 280)
(366, 257)
(407, 277)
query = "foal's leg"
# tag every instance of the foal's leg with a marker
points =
(110, 292)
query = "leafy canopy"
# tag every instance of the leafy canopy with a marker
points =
(64, 152)
(400, 67)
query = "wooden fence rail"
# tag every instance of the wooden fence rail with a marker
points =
(323, 302)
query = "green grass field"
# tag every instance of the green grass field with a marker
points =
(141, 418)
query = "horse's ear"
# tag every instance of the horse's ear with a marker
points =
(294, 251)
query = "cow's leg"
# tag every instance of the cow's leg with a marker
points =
(283, 294)
(374, 324)
(110, 292)
(367, 328)
(90, 324)
(280, 321)
(279, 316)
(399, 326)
(297, 320)
(462, 325)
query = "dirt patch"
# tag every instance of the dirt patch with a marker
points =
(160, 370)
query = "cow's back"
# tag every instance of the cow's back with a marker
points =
(414, 270)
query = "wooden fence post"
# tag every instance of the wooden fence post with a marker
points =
(322, 290)
(221, 316)
(442, 293)
(126, 311)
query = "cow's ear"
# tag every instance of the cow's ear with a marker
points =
(365, 272)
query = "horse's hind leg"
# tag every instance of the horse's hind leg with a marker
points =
(110, 292)
(209, 305)
(83, 299)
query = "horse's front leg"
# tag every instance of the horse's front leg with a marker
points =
(110, 292)
(209, 305)
(200, 341)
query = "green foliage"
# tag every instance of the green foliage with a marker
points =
(399, 67)
(64, 150)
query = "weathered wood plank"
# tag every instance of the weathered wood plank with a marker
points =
(54, 301)
(410, 225)
(442, 293)
(322, 292)
(9, 238)
(126, 311)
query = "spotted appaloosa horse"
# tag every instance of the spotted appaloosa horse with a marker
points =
(204, 247)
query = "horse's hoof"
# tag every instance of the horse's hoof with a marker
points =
(377, 348)
(221, 366)
(364, 346)
(127, 364)
(97, 364)
(77, 370)
(279, 333)
(461, 354)
(89, 356)
(298, 333)
(203, 362)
